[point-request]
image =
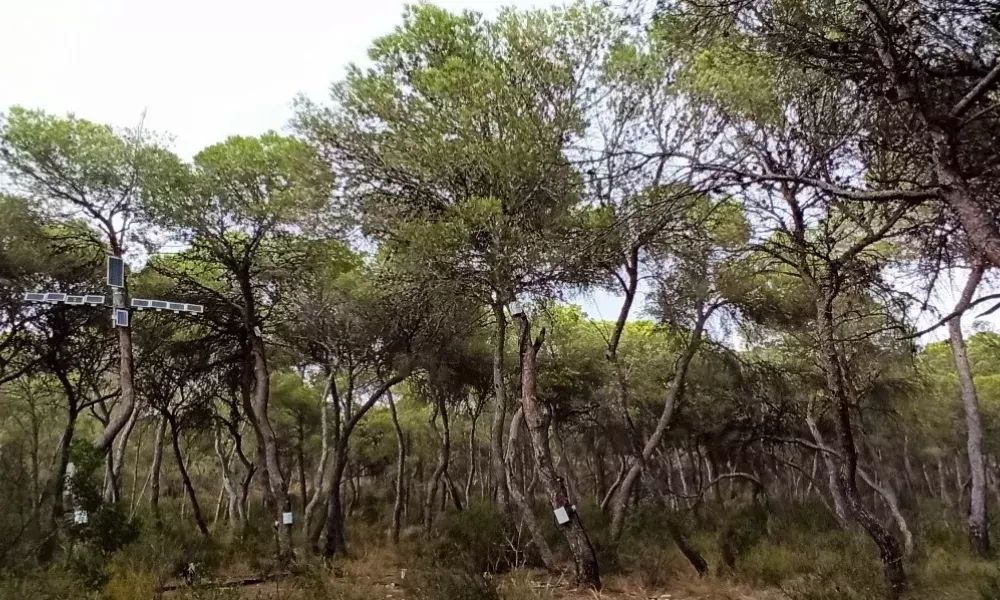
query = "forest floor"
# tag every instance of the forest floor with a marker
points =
(371, 578)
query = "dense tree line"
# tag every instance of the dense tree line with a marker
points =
(776, 193)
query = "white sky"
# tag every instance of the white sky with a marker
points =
(202, 70)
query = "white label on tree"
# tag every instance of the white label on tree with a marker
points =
(80, 517)
(286, 518)
(562, 517)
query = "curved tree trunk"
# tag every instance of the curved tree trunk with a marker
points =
(889, 548)
(619, 504)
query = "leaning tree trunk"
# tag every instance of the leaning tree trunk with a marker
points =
(188, 487)
(538, 418)
(524, 507)
(979, 537)
(839, 503)
(620, 500)
(836, 386)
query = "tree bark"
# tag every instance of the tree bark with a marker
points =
(538, 417)
(334, 526)
(619, 504)
(126, 369)
(154, 487)
(499, 409)
(979, 538)
(836, 386)
(320, 475)
(275, 478)
(397, 507)
(525, 509)
(188, 487)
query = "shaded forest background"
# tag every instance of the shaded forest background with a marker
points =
(387, 364)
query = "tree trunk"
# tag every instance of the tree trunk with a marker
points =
(442, 462)
(276, 481)
(334, 525)
(499, 409)
(116, 460)
(525, 509)
(227, 479)
(538, 417)
(154, 486)
(619, 504)
(979, 538)
(312, 532)
(836, 386)
(839, 503)
(397, 507)
(188, 487)
(473, 463)
(125, 378)
(301, 459)
(942, 483)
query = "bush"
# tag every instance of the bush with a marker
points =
(479, 539)
(451, 584)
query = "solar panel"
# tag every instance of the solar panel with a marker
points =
(74, 299)
(195, 308)
(121, 317)
(34, 297)
(51, 297)
(176, 306)
(140, 303)
(94, 299)
(116, 272)
(158, 304)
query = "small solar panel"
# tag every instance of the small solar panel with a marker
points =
(195, 308)
(121, 317)
(116, 271)
(74, 299)
(158, 304)
(94, 299)
(176, 306)
(34, 297)
(55, 297)
(140, 303)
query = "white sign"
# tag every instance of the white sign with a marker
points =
(80, 517)
(286, 518)
(562, 517)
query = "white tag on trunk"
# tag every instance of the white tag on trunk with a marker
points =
(562, 517)
(80, 517)
(286, 518)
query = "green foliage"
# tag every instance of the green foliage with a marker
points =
(477, 540)
(451, 584)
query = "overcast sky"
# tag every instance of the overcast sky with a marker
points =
(202, 70)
